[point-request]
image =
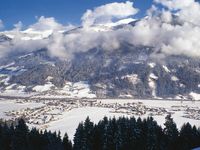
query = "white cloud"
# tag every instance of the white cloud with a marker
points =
(18, 46)
(1, 24)
(18, 26)
(145, 32)
(188, 10)
(158, 30)
(46, 24)
(172, 33)
(175, 4)
(64, 46)
(184, 40)
(56, 46)
(37, 30)
(167, 31)
(106, 13)
(166, 16)
(191, 14)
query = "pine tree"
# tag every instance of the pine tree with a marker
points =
(196, 136)
(20, 136)
(88, 131)
(152, 138)
(34, 140)
(6, 137)
(98, 134)
(133, 134)
(110, 135)
(67, 143)
(78, 137)
(188, 136)
(142, 136)
(97, 138)
(171, 132)
(122, 134)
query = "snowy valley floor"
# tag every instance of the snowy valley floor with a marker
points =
(65, 114)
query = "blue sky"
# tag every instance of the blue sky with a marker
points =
(64, 11)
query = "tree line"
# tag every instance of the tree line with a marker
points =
(108, 134)
(19, 137)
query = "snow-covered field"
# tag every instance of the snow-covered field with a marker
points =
(65, 114)
(70, 120)
(177, 107)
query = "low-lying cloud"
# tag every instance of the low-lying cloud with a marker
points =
(171, 27)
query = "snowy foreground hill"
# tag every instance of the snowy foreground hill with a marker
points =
(66, 114)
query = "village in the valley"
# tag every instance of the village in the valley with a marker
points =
(51, 110)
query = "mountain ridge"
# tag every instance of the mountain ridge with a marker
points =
(129, 71)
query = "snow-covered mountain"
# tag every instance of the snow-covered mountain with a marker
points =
(33, 34)
(4, 38)
(28, 34)
(128, 71)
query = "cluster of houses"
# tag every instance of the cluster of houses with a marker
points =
(48, 112)
(192, 113)
(51, 110)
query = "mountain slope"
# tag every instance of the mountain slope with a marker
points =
(128, 71)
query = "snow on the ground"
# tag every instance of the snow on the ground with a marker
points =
(165, 104)
(10, 105)
(5, 80)
(126, 96)
(153, 76)
(182, 85)
(152, 65)
(49, 78)
(152, 83)
(121, 22)
(132, 78)
(152, 103)
(180, 97)
(8, 65)
(16, 93)
(70, 120)
(195, 96)
(174, 78)
(24, 56)
(14, 90)
(43, 88)
(70, 90)
(29, 34)
(166, 68)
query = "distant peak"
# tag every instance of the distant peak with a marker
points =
(120, 22)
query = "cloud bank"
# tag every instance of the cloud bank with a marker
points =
(106, 13)
(175, 4)
(171, 27)
(46, 24)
